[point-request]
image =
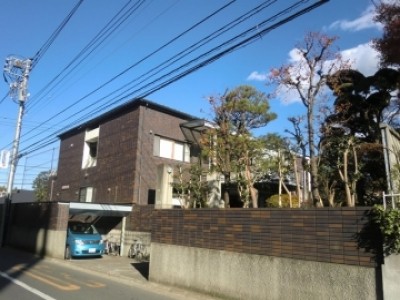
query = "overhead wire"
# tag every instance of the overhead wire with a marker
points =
(260, 33)
(162, 76)
(246, 41)
(132, 66)
(111, 26)
(252, 38)
(40, 53)
(144, 58)
(43, 49)
(4, 98)
(191, 49)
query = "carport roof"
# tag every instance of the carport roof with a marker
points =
(100, 209)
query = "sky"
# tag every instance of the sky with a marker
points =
(173, 52)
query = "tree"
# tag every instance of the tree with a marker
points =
(231, 145)
(41, 186)
(388, 13)
(279, 162)
(363, 102)
(388, 45)
(300, 147)
(352, 132)
(189, 187)
(307, 78)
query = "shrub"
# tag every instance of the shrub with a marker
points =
(273, 201)
(388, 222)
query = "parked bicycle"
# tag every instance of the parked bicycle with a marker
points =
(112, 248)
(137, 250)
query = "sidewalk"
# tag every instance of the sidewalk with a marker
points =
(118, 268)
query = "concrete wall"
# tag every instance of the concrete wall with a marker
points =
(43, 242)
(391, 277)
(245, 276)
(128, 239)
(39, 228)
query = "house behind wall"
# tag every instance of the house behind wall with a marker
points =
(118, 156)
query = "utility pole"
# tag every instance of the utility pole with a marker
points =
(16, 74)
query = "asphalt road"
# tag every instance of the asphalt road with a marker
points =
(50, 281)
(24, 276)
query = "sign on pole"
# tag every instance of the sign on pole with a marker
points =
(4, 159)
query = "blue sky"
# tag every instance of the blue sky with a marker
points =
(55, 103)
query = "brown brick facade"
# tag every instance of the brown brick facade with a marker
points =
(43, 215)
(126, 168)
(324, 235)
(141, 218)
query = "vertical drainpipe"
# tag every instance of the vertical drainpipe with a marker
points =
(123, 227)
(140, 150)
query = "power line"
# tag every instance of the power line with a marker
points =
(39, 54)
(259, 33)
(4, 98)
(132, 66)
(136, 63)
(116, 21)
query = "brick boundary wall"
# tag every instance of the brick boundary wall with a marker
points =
(46, 215)
(141, 218)
(322, 235)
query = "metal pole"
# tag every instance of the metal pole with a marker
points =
(22, 96)
(14, 153)
(22, 86)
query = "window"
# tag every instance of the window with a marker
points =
(90, 148)
(151, 197)
(171, 149)
(86, 194)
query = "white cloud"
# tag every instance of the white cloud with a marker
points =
(295, 56)
(365, 21)
(257, 76)
(363, 58)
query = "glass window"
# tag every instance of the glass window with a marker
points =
(90, 148)
(170, 149)
(178, 152)
(86, 194)
(166, 148)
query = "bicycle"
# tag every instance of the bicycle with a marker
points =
(137, 250)
(111, 248)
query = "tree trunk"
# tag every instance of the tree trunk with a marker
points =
(349, 186)
(313, 160)
(297, 178)
(252, 189)
(227, 177)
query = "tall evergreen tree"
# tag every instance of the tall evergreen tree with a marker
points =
(231, 145)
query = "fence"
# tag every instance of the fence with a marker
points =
(324, 235)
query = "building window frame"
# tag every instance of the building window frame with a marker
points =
(90, 148)
(171, 149)
(86, 194)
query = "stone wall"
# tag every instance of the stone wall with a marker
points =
(266, 253)
(232, 275)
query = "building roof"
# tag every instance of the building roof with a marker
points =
(123, 109)
(20, 196)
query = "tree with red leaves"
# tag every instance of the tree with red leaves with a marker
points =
(388, 45)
